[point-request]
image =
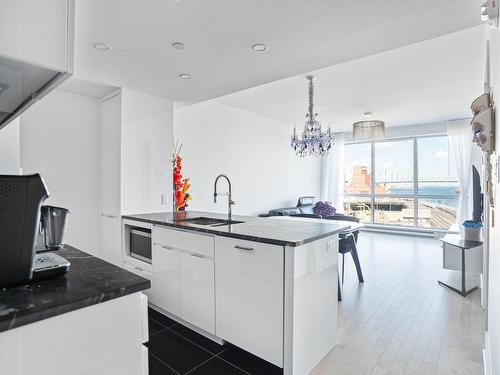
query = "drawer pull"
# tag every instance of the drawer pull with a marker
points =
(138, 268)
(244, 248)
(164, 246)
(197, 255)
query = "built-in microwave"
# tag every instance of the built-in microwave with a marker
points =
(140, 245)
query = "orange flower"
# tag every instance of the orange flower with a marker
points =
(181, 186)
(185, 186)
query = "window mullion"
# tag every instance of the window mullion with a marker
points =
(372, 161)
(415, 182)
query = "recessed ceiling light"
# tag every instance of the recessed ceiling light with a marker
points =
(259, 47)
(101, 46)
(185, 76)
(179, 45)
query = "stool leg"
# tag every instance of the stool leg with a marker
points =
(339, 291)
(343, 268)
(355, 258)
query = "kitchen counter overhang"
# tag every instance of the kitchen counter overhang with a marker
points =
(265, 230)
(90, 281)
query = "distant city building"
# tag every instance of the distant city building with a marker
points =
(361, 182)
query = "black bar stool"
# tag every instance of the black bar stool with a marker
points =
(348, 244)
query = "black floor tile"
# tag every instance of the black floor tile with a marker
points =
(217, 366)
(201, 340)
(154, 327)
(158, 368)
(250, 363)
(177, 352)
(162, 319)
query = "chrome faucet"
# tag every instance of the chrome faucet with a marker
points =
(229, 200)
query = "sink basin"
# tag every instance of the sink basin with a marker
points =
(209, 221)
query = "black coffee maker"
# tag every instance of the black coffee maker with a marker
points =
(21, 198)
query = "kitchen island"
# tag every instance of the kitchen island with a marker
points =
(268, 286)
(92, 320)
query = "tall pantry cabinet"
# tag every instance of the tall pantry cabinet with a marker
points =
(136, 133)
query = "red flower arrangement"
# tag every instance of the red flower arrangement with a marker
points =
(181, 186)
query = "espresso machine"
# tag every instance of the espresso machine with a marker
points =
(21, 199)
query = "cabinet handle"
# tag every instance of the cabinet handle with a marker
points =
(243, 248)
(138, 268)
(164, 246)
(110, 216)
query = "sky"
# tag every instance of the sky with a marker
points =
(394, 159)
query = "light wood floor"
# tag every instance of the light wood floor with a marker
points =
(400, 321)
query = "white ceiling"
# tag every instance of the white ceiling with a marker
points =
(301, 35)
(77, 86)
(425, 82)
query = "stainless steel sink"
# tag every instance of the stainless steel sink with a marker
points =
(208, 221)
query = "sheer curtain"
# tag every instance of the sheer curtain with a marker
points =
(332, 174)
(460, 143)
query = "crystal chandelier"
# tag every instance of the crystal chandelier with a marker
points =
(313, 141)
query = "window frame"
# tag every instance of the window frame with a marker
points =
(415, 196)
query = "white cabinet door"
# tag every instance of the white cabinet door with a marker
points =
(110, 168)
(198, 291)
(249, 291)
(37, 32)
(139, 271)
(147, 131)
(166, 286)
(111, 240)
(102, 339)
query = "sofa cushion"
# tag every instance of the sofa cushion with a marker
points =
(306, 209)
(306, 200)
(284, 211)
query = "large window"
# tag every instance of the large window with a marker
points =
(406, 182)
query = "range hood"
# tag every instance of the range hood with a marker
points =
(22, 84)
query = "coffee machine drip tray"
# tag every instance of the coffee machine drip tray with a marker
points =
(48, 265)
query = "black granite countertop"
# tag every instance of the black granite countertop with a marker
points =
(266, 230)
(89, 281)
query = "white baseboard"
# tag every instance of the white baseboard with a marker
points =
(208, 335)
(487, 355)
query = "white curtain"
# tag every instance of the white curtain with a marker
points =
(460, 144)
(332, 174)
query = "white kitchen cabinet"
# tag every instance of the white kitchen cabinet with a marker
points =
(147, 136)
(249, 284)
(110, 237)
(110, 155)
(38, 32)
(198, 291)
(166, 286)
(135, 169)
(201, 244)
(105, 338)
(110, 240)
(139, 271)
(183, 281)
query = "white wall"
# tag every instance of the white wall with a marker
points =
(60, 140)
(254, 151)
(9, 148)
(493, 334)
